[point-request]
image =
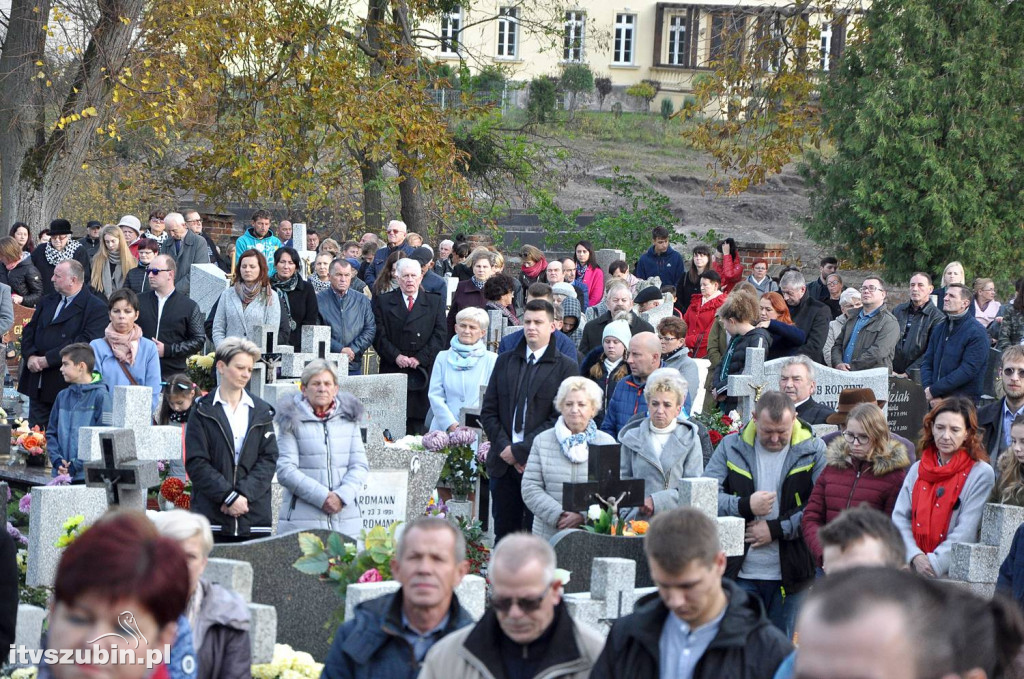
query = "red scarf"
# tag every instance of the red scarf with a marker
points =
(535, 269)
(934, 496)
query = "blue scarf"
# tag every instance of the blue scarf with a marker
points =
(462, 357)
(574, 446)
(479, 284)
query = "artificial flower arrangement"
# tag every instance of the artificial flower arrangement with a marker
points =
(288, 664)
(29, 442)
(199, 368)
(605, 521)
(73, 528)
(719, 426)
(459, 471)
(177, 492)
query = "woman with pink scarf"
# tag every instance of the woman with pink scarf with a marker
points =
(123, 355)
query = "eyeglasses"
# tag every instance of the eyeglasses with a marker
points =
(193, 221)
(859, 439)
(668, 338)
(156, 272)
(526, 604)
(395, 231)
(1008, 372)
(871, 288)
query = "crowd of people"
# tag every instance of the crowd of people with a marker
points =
(583, 368)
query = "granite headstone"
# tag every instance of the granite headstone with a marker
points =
(51, 507)
(384, 397)
(907, 407)
(206, 285)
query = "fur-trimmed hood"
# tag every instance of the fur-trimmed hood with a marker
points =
(296, 409)
(895, 458)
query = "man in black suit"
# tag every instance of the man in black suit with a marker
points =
(518, 405)
(996, 417)
(797, 382)
(808, 314)
(68, 315)
(168, 317)
(185, 247)
(410, 332)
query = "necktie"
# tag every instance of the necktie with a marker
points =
(60, 307)
(177, 247)
(410, 303)
(521, 394)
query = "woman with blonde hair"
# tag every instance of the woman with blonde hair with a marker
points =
(112, 262)
(864, 465)
(1009, 489)
(986, 306)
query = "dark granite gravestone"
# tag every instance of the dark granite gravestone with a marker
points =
(575, 551)
(907, 407)
(303, 603)
(602, 480)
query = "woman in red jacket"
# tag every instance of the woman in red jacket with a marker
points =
(701, 313)
(728, 265)
(863, 466)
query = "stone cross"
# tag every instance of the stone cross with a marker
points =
(749, 385)
(133, 415)
(316, 343)
(602, 480)
(125, 479)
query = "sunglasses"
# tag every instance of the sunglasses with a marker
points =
(1008, 372)
(156, 272)
(526, 604)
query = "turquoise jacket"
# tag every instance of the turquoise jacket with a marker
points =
(266, 246)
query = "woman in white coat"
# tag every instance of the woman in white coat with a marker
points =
(560, 455)
(460, 371)
(321, 460)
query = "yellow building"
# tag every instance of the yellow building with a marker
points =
(624, 40)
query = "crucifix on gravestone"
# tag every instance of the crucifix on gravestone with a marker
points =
(603, 483)
(125, 479)
(750, 384)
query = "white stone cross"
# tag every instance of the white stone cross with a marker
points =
(749, 385)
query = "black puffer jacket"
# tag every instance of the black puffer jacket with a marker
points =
(25, 280)
(913, 340)
(747, 646)
(217, 480)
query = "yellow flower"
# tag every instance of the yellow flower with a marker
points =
(205, 362)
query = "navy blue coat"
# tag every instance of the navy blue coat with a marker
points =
(955, 361)
(668, 266)
(1011, 574)
(382, 256)
(83, 320)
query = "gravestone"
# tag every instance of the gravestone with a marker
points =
(605, 256)
(303, 603)
(237, 577)
(315, 343)
(654, 316)
(976, 565)
(398, 485)
(206, 285)
(907, 407)
(759, 376)
(703, 367)
(612, 595)
(299, 235)
(602, 480)
(384, 396)
(51, 507)
(125, 479)
(132, 413)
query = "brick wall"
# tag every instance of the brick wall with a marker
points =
(751, 251)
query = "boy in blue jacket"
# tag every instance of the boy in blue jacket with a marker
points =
(84, 403)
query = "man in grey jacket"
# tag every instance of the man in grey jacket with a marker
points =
(870, 335)
(185, 248)
(349, 314)
(916, 317)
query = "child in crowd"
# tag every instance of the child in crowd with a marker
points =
(85, 402)
(738, 315)
(1009, 489)
(179, 393)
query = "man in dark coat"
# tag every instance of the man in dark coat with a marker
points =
(60, 248)
(431, 281)
(620, 307)
(722, 628)
(168, 317)
(796, 380)
(518, 405)
(808, 314)
(957, 355)
(185, 248)
(996, 417)
(410, 333)
(71, 314)
(91, 240)
(917, 317)
(396, 241)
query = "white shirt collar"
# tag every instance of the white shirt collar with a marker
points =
(245, 401)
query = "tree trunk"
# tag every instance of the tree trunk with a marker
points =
(373, 202)
(413, 213)
(39, 164)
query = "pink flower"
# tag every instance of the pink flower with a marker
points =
(372, 575)
(60, 480)
(462, 436)
(481, 452)
(25, 504)
(435, 441)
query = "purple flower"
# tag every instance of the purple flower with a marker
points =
(435, 441)
(25, 504)
(481, 452)
(16, 534)
(60, 480)
(462, 436)
(160, 466)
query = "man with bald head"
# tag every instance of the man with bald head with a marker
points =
(628, 398)
(185, 248)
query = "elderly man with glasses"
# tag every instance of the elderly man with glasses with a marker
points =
(871, 333)
(170, 318)
(396, 232)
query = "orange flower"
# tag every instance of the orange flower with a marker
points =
(638, 527)
(32, 441)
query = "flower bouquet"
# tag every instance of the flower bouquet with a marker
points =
(459, 471)
(719, 425)
(199, 368)
(31, 443)
(175, 493)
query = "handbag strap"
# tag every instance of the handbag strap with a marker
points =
(124, 368)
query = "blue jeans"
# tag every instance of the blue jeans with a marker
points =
(780, 606)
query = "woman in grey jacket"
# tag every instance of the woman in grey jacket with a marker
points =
(560, 455)
(322, 462)
(251, 301)
(662, 448)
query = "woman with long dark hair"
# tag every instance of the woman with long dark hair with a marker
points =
(298, 298)
(689, 282)
(589, 272)
(21, 233)
(945, 492)
(251, 301)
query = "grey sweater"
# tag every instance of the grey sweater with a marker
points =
(964, 522)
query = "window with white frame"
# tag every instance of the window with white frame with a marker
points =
(825, 55)
(451, 23)
(625, 35)
(575, 22)
(678, 44)
(508, 32)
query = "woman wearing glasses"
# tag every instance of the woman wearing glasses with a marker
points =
(864, 465)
